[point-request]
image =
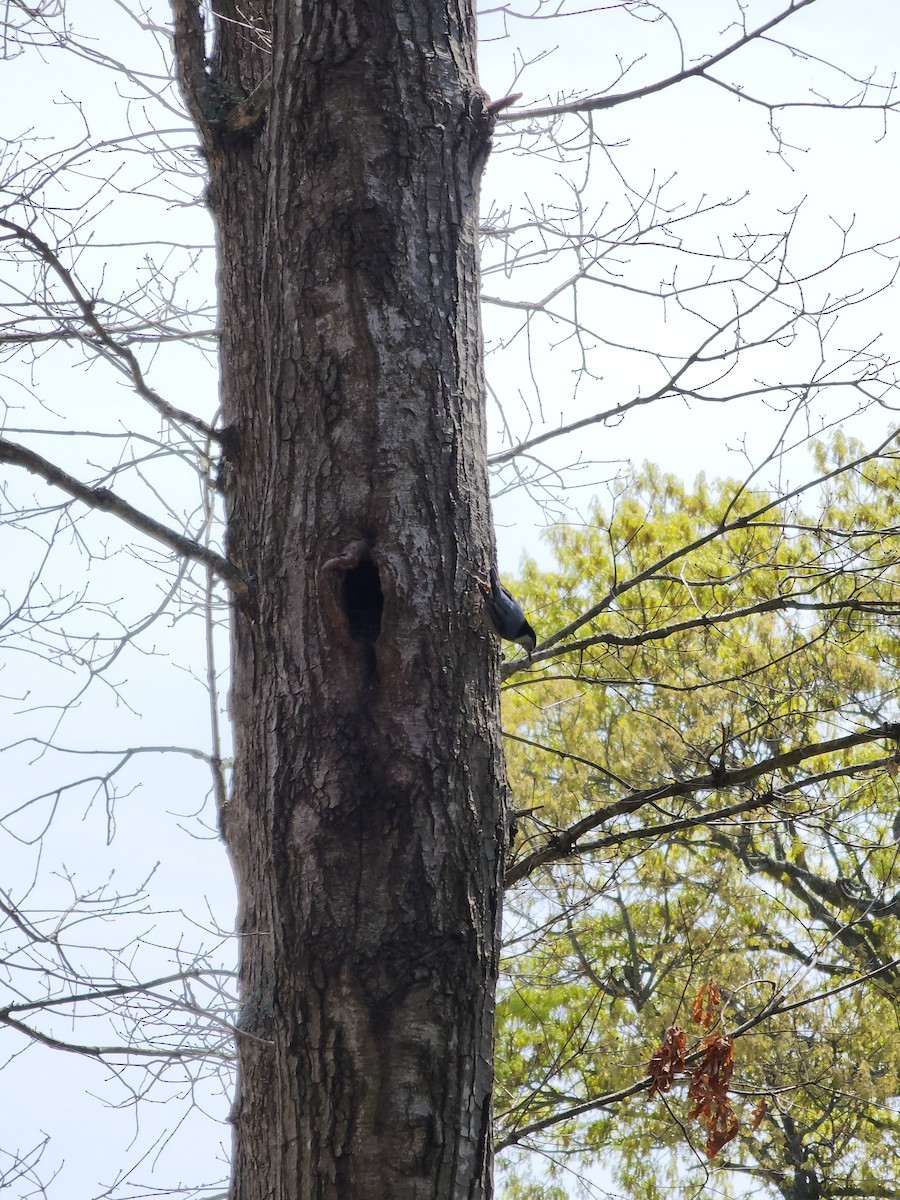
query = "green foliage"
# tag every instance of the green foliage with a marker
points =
(733, 637)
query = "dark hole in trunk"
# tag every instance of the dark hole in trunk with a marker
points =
(363, 601)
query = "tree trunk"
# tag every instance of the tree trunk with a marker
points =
(366, 824)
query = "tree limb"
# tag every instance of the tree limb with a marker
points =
(772, 1009)
(565, 843)
(106, 501)
(190, 56)
(593, 103)
(723, 527)
(121, 355)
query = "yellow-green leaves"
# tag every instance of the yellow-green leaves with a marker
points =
(711, 761)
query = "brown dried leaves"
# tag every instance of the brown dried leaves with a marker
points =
(709, 1079)
(709, 1091)
(668, 1060)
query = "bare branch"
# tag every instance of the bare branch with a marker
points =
(716, 531)
(595, 103)
(106, 501)
(566, 842)
(102, 341)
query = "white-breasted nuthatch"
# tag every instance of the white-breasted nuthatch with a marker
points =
(503, 614)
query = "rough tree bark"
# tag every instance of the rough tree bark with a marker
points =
(344, 143)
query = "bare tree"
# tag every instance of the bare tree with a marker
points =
(333, 506)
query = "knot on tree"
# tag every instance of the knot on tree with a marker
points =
(228, 109)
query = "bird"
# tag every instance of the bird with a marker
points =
(503, 614)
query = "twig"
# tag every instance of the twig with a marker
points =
(106, 501)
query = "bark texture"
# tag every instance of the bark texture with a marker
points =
(366, 825)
